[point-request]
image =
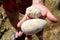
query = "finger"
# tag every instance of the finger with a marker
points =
(43, 10)
(51, 17)
(43, 13)
(19, 23)
(28, 18)
(20, 33)
(28, 38)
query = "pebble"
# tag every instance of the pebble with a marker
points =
(33, 26)
(33, 12)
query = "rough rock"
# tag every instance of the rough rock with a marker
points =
(33, 26)
(33, 12)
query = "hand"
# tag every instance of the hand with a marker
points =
(45, 13)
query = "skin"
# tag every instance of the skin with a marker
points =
(45, 13)
(37, 4)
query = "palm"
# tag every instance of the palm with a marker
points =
(44, 12)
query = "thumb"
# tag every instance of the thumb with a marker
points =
(51, 17)
(28, 37)
(20, 22)
(24, 19)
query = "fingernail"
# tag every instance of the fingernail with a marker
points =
(20, 34)
(18, 25)
(26, 38)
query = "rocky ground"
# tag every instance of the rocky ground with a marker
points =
(51, 32)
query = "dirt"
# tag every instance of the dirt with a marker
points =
(51, 32)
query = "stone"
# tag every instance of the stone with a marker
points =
(33, 26)
(33, 12)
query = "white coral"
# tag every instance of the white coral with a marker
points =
(33, 12)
